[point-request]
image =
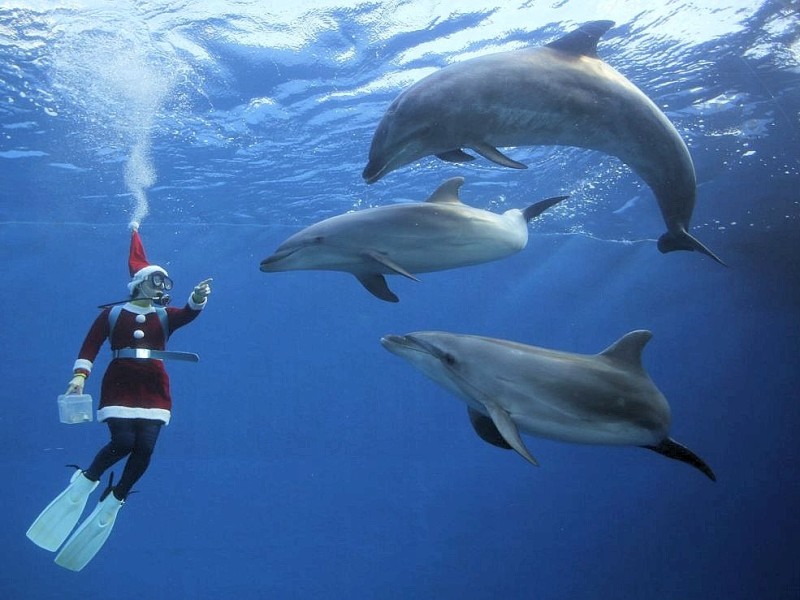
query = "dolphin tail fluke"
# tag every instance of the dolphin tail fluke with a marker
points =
(534, 210)
(672, 449)
(376, 285)
(669, 242)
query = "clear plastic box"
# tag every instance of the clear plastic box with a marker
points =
(75, 408)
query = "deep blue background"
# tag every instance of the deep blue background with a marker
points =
(303, 460)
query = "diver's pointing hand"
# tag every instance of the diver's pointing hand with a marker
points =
(202, 291)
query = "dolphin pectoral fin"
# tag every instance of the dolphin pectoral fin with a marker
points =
(669, 242)
(388, 263)
(486, 429)
(672, 449)
(376, 285)
(534, 210)
(493, 154)
(508, 430)
(455, 156)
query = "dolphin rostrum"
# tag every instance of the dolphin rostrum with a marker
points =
(419, 237)
(558, 94)
(510, 388)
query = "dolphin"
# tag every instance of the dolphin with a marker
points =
(557, 94)
(419, 237)
(511, 388)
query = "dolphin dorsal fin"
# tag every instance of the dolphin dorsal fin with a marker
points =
(583, 40)
(447, 192)
(628, 348)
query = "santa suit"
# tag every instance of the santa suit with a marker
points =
(134, 388)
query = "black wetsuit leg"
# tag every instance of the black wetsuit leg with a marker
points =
(147, 431)
(134, 437)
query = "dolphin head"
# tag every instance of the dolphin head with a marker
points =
(435, 353)
(407, 132)
(281, 260)
(306, 249)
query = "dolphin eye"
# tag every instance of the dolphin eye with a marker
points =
(449, 359)
(319, 239)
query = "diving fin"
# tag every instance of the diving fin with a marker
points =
(57, 520)
(90, 536)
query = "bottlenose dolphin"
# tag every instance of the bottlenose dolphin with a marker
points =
(558, 94)
(606, 398)
(403, 239)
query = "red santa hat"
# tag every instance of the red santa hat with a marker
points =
(138, 264)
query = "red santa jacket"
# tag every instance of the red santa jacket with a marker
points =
(134, 388)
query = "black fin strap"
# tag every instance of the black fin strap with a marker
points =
(109, 488)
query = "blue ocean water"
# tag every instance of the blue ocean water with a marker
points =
(305, 461)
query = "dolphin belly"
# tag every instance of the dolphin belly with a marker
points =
(572, 403)
(607, 433)
(440, 255)
(564, 100)
(424, 237)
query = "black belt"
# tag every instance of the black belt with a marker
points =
(146, 353)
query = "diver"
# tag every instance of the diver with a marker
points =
(135, 403)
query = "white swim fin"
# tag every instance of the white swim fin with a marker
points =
(57, 520)
(87, 540)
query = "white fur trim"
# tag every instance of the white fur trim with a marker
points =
(127, 412)
(139, 310)
(82, 363)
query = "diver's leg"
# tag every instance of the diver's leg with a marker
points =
(147, 431)
(123, 437)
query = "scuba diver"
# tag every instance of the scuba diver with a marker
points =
(135, 403)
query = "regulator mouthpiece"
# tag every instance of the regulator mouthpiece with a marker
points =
(161, 299)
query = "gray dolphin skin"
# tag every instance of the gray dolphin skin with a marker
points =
(403, 239)
(511, 388)
(557, 94)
